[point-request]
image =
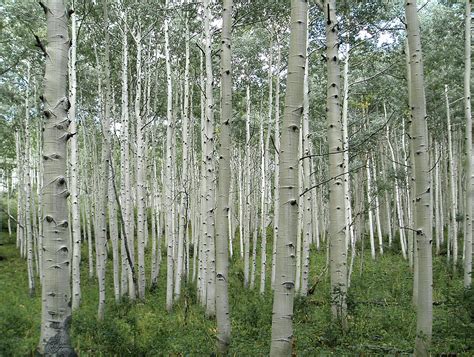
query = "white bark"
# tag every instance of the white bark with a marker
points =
(76, 227)
(370, 209)
(338, 264)
(209, 155)
(422, 226)
(169, 232)
(468, 241)
(224, 186)
(27, 183)
(184, 173)
(56, 290)
(276, 201)
(453, 238)
(282, 329)
(140, 167)
(247, 192)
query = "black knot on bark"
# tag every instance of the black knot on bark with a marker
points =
(48, 219)
(292, 202)
(61, 180)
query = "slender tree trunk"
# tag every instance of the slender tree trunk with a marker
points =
(75, 208)
(282, 327)
(276, 201)
(468, 241)
(401, 223)
(263, 247)
(102, 198)
(28, 189)
(422, 185)
(223, 188)
(338, 264)
(114, 235)
(140, 167)
(370, 209)
(56, 290)
(307, 197)
(184, 172)
(169, 232)
(453, 238)
(209, 150)
(247, 192)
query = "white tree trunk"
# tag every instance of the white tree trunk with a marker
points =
(337, 250)
(167, 184)
(422, 226)
(140, 167)
(223, 188)
(453, 238)
(282, 329)
(276, 201)
(27, 187)
(468, 241)
(56, 290)
(74, 165)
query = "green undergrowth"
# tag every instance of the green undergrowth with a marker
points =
(381, 316)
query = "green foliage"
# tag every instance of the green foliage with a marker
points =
(381, 317)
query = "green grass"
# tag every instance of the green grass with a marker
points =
(381, 317)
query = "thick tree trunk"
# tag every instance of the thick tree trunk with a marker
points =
(56, 289)
(223, 188)
(282, 327)
(422, 184)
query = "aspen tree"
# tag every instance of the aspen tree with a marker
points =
(370, 209)
(9, 221)
(468, 241)
(19, 217)
(114, 234)
(400, 216)
(337, 251)
(223, 187)
(247, 191)
(103, 181)
(282, 329)
(76, 227)
(56, 290)
(276, 200)
(349, 230)
(264, 170)
(140, 167)
(424, 306)
(209, 153)
(127, 208)
(453, 237)
(27, 167)
(307, 197)
(377, 208)
(169, 231)
(184, 172)
(203, 242)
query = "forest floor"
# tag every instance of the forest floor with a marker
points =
(381, 317)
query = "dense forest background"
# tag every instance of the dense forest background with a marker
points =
(148, 135)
